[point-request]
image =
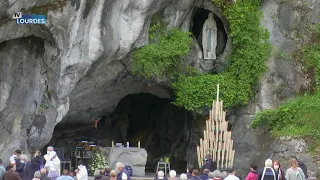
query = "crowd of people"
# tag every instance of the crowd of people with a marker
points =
(47, 167)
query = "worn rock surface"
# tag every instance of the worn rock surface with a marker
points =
(134, 157)
(287, 22)
(76, 68)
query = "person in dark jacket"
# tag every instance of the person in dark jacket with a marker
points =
(32, 166)
(16, 159)
(99, 176)
(302, 166)
(11, 174)
(122, 172)
(209, 164)
(268, 173)
(204, 175)
(189, 172)
(195, 175)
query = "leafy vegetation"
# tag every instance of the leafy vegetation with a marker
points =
(298, 116)
(163, 57)
(247, 62)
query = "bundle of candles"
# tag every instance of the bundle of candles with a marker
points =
(217, 140)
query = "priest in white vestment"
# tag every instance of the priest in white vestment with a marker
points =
(52, 161)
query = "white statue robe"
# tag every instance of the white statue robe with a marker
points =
(52, 162)
(209, 39)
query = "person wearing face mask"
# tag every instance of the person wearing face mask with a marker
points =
(24, 161)
(33, 166)
(52, 163)
(16, 159)
(276, 166)
(82, 172)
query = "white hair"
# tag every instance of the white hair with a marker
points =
(172, 174)
(24, 157)
(160, 174)
(183, 177)
(50, 147)
(37, 174)
(120, 165)
(268, 163)
(216, 173)
(224, 174)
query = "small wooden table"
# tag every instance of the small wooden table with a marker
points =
(165, 165)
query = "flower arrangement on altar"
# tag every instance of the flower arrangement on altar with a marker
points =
(97, 162)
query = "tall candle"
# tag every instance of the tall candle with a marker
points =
(127, 144)
(112, 144)
(138, 144)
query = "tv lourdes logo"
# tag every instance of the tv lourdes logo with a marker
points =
(29, 18)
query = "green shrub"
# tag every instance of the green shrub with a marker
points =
(247, 63)
(299, 116)
(163, 57)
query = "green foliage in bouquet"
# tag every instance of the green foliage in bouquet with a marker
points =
(97, 162)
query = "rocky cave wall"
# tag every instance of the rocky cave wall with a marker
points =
(77, 68)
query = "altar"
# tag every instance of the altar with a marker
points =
(132, 156)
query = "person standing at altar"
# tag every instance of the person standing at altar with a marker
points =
(122, 172)
(82, 172)
(52, 163)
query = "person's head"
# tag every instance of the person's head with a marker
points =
(102, 172)
(206, 171)
(224, 174)
(17, 153)
(195, 172)
(189, 170)
(49, 149)
(37, 174)
(268, 163)
(113, 174)
(119, 166)
(24, 158)
(183, 177)
(43, 171)
(253, 167)
(107, 170)
(71, 174)
(216, 173)
(211, 175)
(80, 162)
(12, 166)
(96, 172)
(172, 174)
(208, 156)
(37, 153)
(232, 171)
(160, 174)
(293, 163)
(65, 172)
(276, 165)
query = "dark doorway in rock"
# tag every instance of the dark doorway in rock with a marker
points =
(162, 128)
(199, 17)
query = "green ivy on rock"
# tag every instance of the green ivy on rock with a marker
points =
(247, 62)
(163, 57)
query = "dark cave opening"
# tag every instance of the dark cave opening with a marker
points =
(159, 125)
(199, 17)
